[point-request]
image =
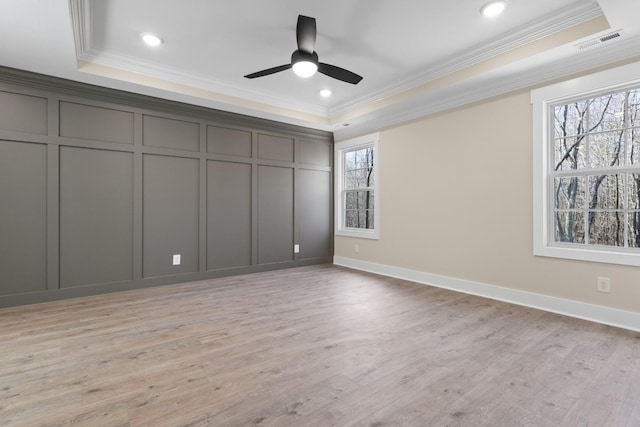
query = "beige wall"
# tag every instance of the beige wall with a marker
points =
(456, 200)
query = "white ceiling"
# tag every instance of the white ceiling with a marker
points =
(416, 56)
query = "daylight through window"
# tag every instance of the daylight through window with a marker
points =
(356, 192)
(596, 170)
(586, 167)
(358, 188)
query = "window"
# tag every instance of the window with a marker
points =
(587, 168)
(357, 212)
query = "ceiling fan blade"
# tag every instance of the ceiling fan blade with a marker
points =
(268, 71)
(306, 34)
(339, 73)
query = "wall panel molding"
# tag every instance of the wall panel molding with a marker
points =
(128, 181)
(83, 91)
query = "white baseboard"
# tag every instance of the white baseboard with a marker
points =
(595, 313)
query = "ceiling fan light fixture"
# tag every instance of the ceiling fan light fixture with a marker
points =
(304, 64)
(305, 69)
(304, 60)
(493, 8)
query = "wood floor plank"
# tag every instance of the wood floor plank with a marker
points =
(320, 345)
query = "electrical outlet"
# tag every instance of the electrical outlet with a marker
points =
(603, 285)
(356, 248)
(176, 259)
(296, 249)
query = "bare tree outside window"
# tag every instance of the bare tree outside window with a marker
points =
(358, 188)
(596, 170)
(357, 192)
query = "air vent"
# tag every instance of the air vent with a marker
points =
(599, 40)
(610, 36)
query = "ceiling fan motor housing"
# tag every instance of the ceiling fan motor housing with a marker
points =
(298, 56)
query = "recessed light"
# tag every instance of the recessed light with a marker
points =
(152, 39)
(325, 93)
(493, 8)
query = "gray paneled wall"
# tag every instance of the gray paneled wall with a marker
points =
(96, 216)
(167, 133)
(100, 189)
(84, 121)
(170, 222)
(23, 217)
(275, 214)
(228, 214)
(315, 234)
(28, 114)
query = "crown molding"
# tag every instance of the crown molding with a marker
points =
(571, 15)
(81, 12)
(78, 10)
(488, 86)
(134, 65)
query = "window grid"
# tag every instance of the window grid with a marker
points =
(586, 150)
(357, 178)
(357, 204)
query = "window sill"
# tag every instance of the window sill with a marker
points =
(369, 234)
(603, 255)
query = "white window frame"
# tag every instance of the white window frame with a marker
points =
(542, 99)
(340, 148)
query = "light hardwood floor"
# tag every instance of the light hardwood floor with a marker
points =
(311, 346)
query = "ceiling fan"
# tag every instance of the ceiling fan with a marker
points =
(304, 61)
